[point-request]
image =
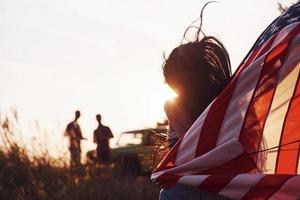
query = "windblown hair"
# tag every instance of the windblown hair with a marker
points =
(199, 69)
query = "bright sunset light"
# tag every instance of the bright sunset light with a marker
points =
(86, 113)
(106, 56)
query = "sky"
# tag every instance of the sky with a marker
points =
(105, 56)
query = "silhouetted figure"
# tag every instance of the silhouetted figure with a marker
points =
(197, 71)
(74, 133)
(102, 135)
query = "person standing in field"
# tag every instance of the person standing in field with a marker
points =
(73, 131)
(102, 135)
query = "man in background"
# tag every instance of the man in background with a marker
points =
(102, 135)
(74, 133)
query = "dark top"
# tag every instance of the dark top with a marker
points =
(101, 136)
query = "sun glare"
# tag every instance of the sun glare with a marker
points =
(169, 94)
(156, 111)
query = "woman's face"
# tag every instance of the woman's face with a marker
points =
(186, 72)
(185, 83)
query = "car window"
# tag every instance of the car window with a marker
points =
(127, 139)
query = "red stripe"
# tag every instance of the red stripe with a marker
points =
(167, 180)
(216, 183)
(213, 121)
(254, 55)
(258, 109)
(266, 187)
(287, 158)
(169, 160)
(209, 133)
(261, 102)
(243, 161)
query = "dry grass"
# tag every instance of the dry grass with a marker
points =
(42, 177)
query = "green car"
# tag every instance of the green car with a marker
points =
(137, 151)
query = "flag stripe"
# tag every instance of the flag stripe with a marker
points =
(272, 130)
(216, 157)
(220, 151)
(209, 132)
(259, 51)
(222, 103)
(257, 113)
(208, 135)
(193, 180)
(290, 190)
(277, 111)
(188, 147)
(287, 159)
(251, 136)
(298, 165)
(240, 185)
(266, 187)
(169, 160)
(216, 183)
(238, 106)
(244, 162)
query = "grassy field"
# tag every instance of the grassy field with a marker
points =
(41, 177)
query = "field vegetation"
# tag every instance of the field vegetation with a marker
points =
(30, 177)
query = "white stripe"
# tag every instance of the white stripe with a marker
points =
(193, 180)
(243, 93)
(255, 57)
(188, 146)
(216, 157)
(290, 190)
(240, 101)
(189, 143)
(213, 158)
(288, 75)
(155, 175)
(283, 34)
(235, 112)
(240, 185)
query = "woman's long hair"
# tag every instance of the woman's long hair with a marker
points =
(198, 70)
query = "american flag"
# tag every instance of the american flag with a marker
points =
(246, 144)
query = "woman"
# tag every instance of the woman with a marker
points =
(197, 71)
(207, 63)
